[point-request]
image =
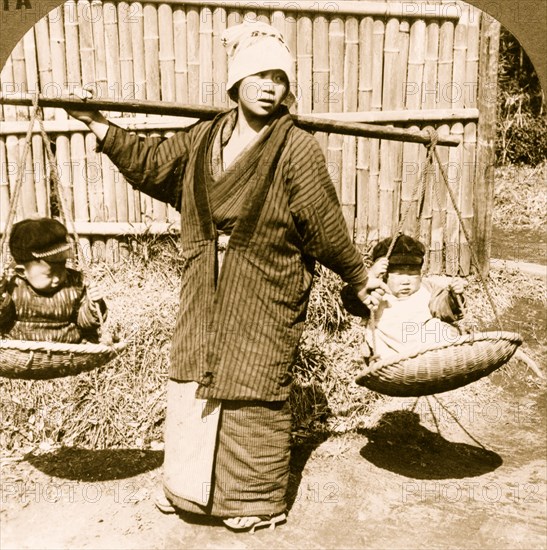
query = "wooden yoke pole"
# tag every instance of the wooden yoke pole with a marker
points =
(312, 124)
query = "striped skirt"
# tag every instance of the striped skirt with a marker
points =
(225, 458)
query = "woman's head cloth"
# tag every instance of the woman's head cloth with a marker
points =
(255, 47)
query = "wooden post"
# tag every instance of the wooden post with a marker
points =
(486, 130)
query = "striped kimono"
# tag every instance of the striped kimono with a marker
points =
(65, 316)
(238, 327)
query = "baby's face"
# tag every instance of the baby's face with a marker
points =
(45, 276)
(404, 280)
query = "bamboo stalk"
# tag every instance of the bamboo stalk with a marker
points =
(363, 145)
(20, 76)
(111, 41)
(192, 22)
(111, 229)
(43, 53)
(100, 78)
(220, 68)
(335, 98)
(304, 57)
(109, 190)
(39, 169)
(207, 113)
(206, 56)
(393, 8)
(472, 58)
(151, 52)
(12, 154)
(78, 169)
(94, 177)
(412, 168)
(136, 23)
(73, 74)
(485, 154)
(4, 189)
(86, 43)
(127, 88)
(320, 84)
(180, 46)
(350, 102)
(63, 162)
(166, 52)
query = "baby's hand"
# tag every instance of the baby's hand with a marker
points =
(458, 285)
(379, 268)
(94, 293)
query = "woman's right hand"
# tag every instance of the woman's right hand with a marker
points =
(94, 119)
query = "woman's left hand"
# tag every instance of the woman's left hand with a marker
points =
(371, 294)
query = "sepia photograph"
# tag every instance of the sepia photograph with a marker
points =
(273, 274)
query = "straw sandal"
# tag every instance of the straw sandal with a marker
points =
(259, 521)
(163, 504)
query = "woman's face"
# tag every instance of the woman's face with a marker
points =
(45, 276)
(259, 95)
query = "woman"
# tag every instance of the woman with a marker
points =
(257, 210)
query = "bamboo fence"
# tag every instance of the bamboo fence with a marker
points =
(401, 64)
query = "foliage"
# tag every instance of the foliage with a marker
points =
(522, 121)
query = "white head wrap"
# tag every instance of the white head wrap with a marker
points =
(254, 47)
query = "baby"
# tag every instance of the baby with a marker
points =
(45, 300)
(415, 313)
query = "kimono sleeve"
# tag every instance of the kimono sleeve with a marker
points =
(317, 213)
(152, 165)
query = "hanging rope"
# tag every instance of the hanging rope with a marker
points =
(419, 192)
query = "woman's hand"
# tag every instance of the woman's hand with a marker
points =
(94, 119)
(371, 294)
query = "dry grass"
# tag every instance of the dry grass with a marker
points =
(122, 404)
(520, 196)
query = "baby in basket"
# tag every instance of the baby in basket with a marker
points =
(44, 300)
(415, 313)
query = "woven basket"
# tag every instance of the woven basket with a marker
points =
(443, 367)
(45, 360)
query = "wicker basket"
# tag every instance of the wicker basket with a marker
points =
(443, 367)
(45, 360)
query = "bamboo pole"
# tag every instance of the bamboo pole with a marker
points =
(363, 145)
(94, 176)
(20, 76)
(12, 154)
(391, 8)
(127, 87)
(320, 52)
(389, 158)
(58, 53)
(63, 162)
(100, 78)
(111, 41)
(444, 79)
(220, 67)
(136, 23)
(151, 52)
(304, 62)
(207, 113)
(455, 157)
(484, 167)
(428, 98)
(78, 169)
(7, 86)
(73, 74)
(166, 52)
(31, 67)
(192, 22)
(109, 190)
(43, 54)
(86, 43)
(4, 189)
(334, 97)
(413, 154)
(205, 56)
(181, 61)
(350, 102)
(39, 170)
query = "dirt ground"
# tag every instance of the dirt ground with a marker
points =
(468, 476)
(464, 469)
